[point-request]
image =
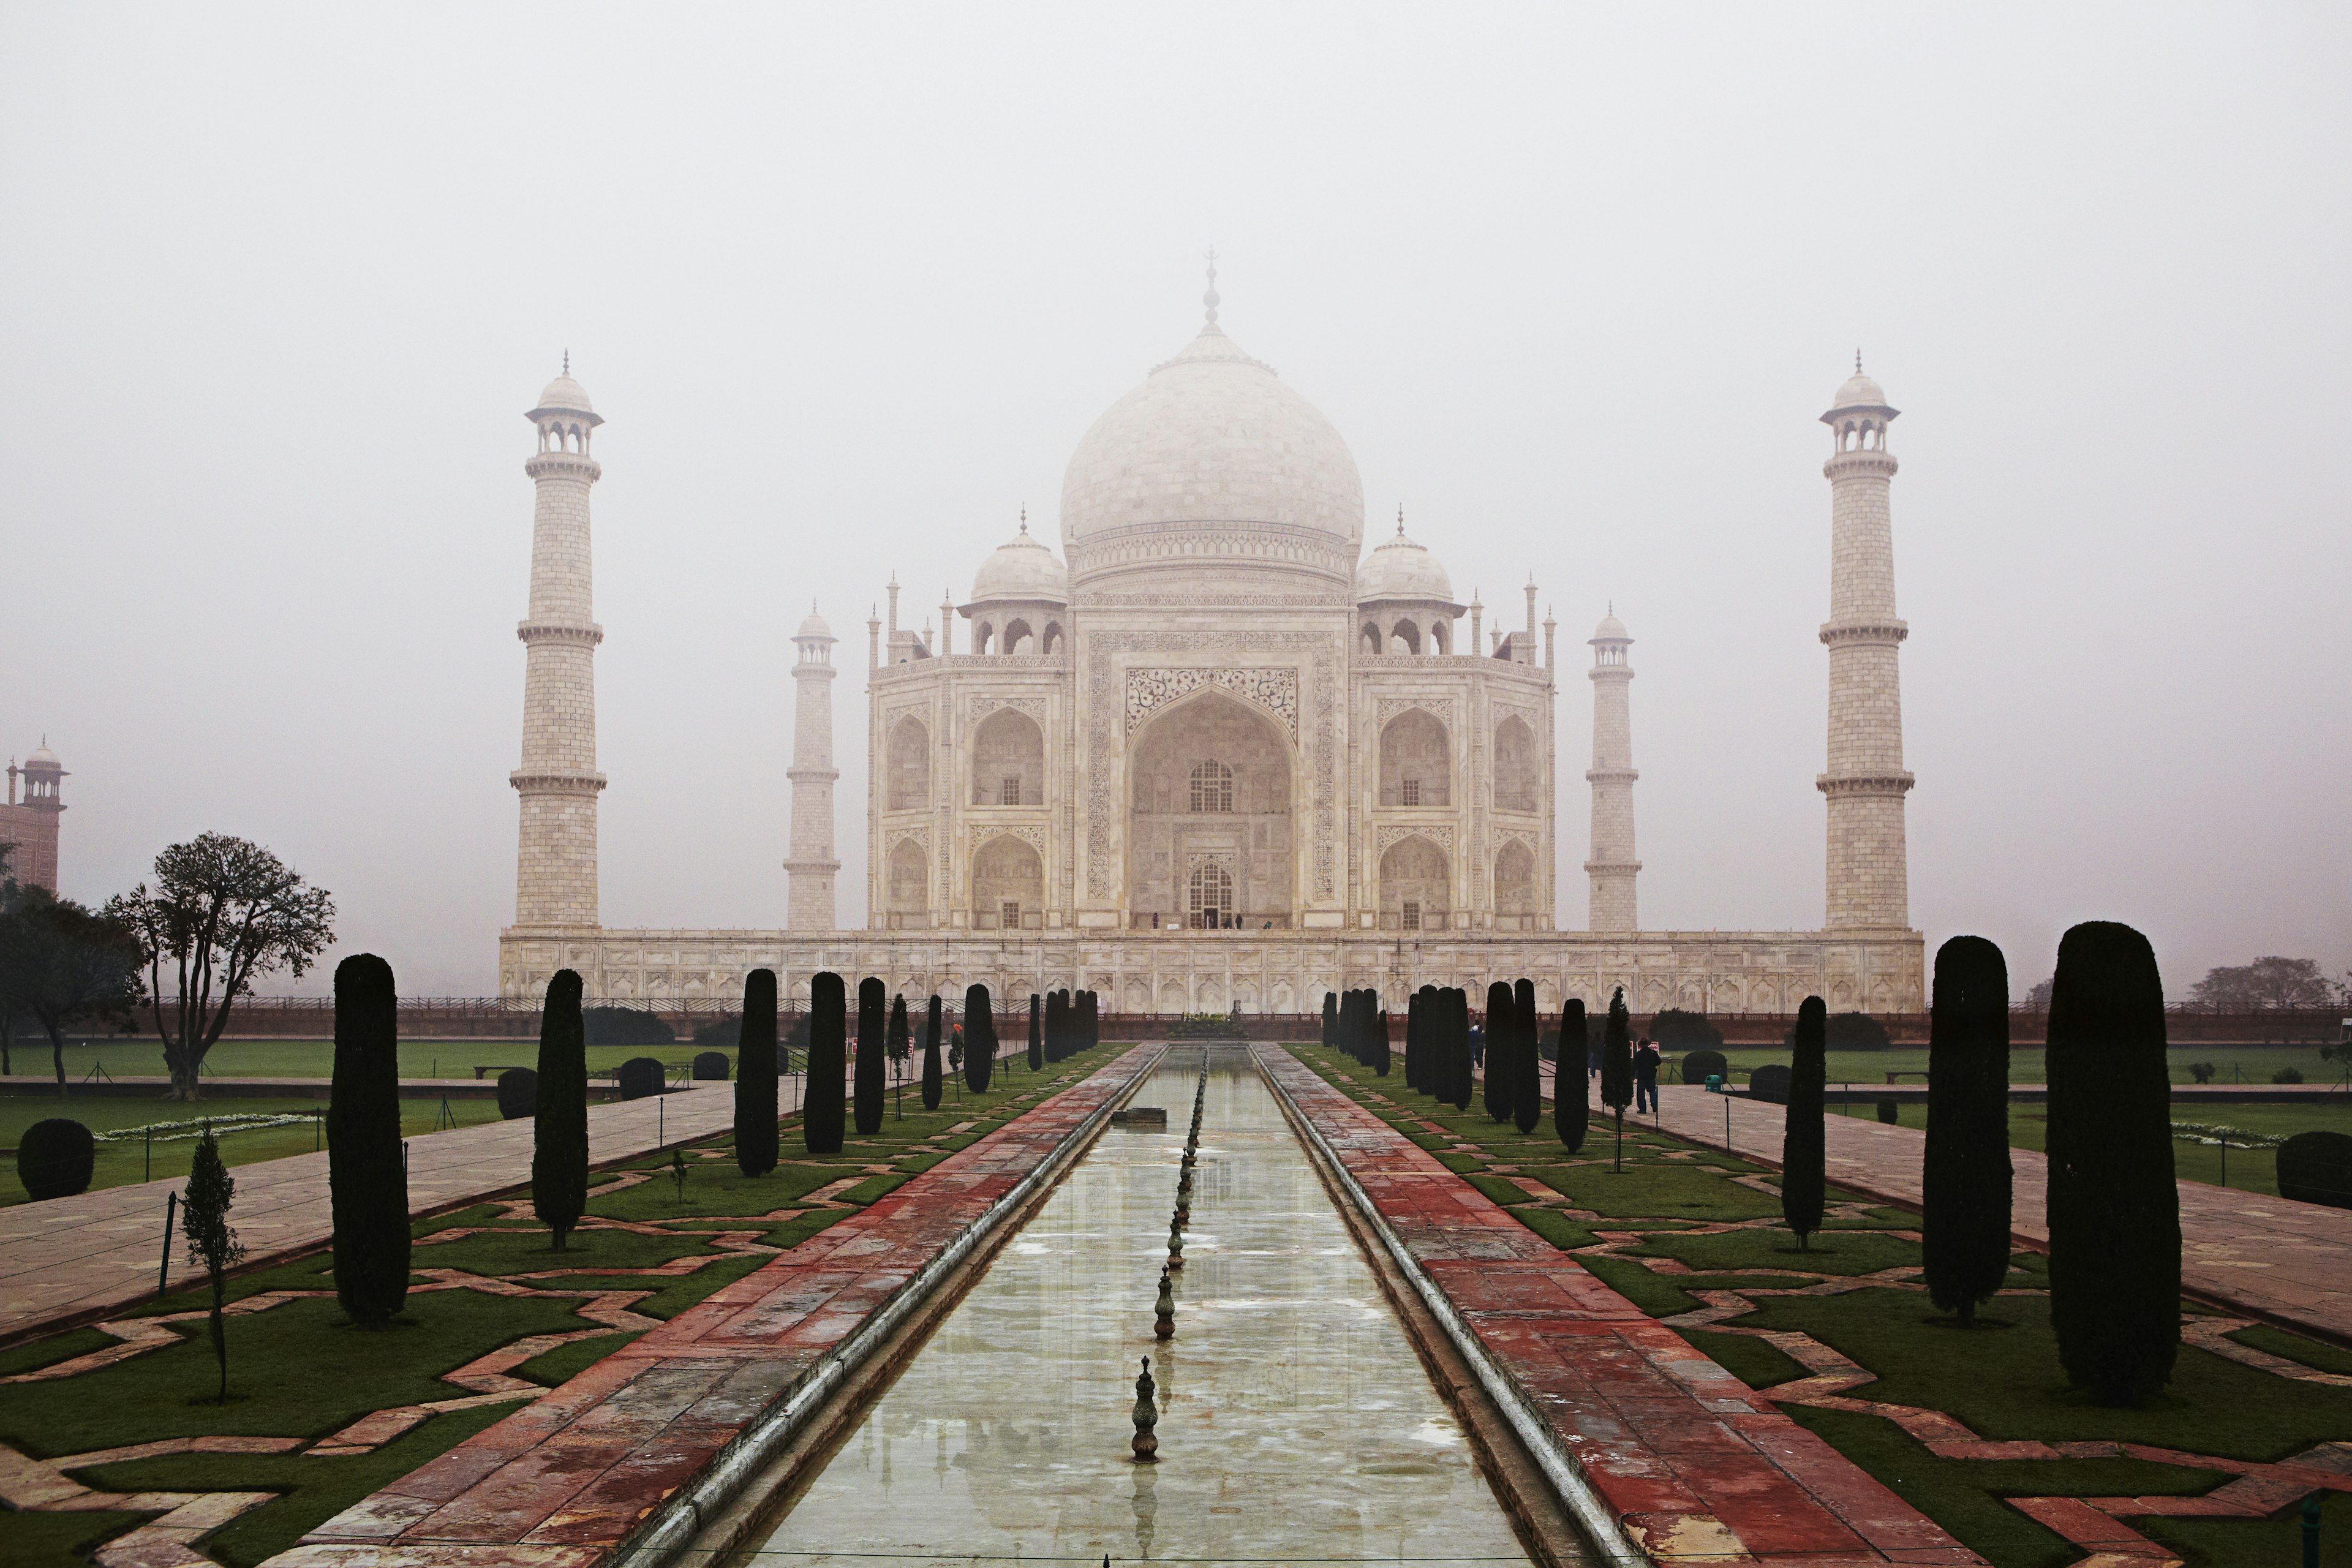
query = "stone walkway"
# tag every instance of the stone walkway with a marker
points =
(1692, 1463)
(71, 1259)
(563, 1482)
(2286, 1261)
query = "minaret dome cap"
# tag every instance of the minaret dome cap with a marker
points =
(566, 395)
(815, 626)
(1022, 568)
(1610, 629)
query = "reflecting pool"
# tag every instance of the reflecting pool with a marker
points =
(1296, 1424)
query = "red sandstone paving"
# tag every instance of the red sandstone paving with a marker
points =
(1667, 1438)
(562, 1482)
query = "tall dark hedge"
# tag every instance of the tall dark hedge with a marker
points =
(1617, 1057)
(1500, 1011)
(979, 1039)
(1964, 1186)
(873, 1012)
(1380, 1062)
(933, 1081)
(1057, 1027)
(2115, 1213)
(1804, 1147)
(559, 1126)
(1526, 1066)
(1036, 1033)
(2316, 1167)
(1456, 1012)
(822, 1107)
(1330, 1019)
(1093, 1015)
(1412, 1040)
(755, 1076)
(368, 1187)
(1571, 1084)
(896, 1041)
(517, 1094)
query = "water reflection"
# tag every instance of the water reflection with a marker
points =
(1295, 1419)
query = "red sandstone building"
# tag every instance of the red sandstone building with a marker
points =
(31, 823)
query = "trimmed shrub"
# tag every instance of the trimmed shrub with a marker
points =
(1502, 1014)
(1057, 1025)
(642, 1076)
(1571, 1084)
(725, 1029)
(933, 1079)
(1804, 1140)
(1036, 1032)
(624, 1026)
(756, 1139)
(1330, 1019)
(1966, 1178)
(55, 1158)
(2312, 1168)
(1381, 1042)
(1855, 1032)
(2201, 1071)
(558, 1127)
(822, 1107)
(367, 1185)
(2113, 1209)
(710, 1066)
(1770, 1083)
(979, 1039)
(1527, 1069)
(517, 1094)
(2287, 1075)
(873, 1011)
(1889, 1113)
(1453, 1042)
(1676, 1029)
(1697, 1066)
(1092, 1015)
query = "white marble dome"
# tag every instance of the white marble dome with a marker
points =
(1860, 392)
(1213, 437)
(1022, 568)
(815, 626)
(567, 394)
(1610, 629)
(1401, 569)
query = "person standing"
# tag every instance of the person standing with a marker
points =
(1477, 1045)
(1645, 1078)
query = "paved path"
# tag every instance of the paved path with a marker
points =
(563, 1481)
(2287, 1261)
(1689, 1461)
(76, 1257)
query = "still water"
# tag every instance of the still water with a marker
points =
(1297, 1424)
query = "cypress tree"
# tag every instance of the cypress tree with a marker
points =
(1617, 1067)
(979, 1039)
(1381, 1042)
(367, 1188)
(1804, 1147)
(2115, 1213)
(900, 1038)
(873, 1000)
(755, 1076)
(1412, 1040)
(1456, 1015)
(558, 1127)
(1965, 1187)
(1500, 1011)
(821, 1101)
(933, 1081)
(1036, 1037)
(1094, 1020)
(1527, 1092)
(1055, 1027)
(1571, 1101)
(212, 1240)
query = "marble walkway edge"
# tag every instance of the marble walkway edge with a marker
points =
(1688, 1461)
(578, 1477)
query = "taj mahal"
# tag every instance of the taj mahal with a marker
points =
(1216, 755)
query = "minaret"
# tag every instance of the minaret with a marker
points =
(1869, 874)
(555, 861)
(1612, 867)
(812, 868)
(31, 824)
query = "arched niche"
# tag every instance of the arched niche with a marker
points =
(1008, 886)
(1052, 642)
(1415, 886)
(1008, 760)
(908, 766)
(1209, 783)
(1416, 760)
(1019, 637)
(1515, 887)
(908, 885)
(1517, 777)
(1371, 638)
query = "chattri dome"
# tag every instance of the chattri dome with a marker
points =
(1860, 392)
(815, 626)
(566, 394)
(1401, 569)
(1610, 629)
(1213, 457)
(1022, 568)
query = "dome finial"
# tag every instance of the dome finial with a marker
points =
(1025, 517)
(1400, 519)
(1210, 298)
(567, 362)
(1857, 362)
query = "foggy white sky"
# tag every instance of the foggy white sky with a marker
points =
(277, 285)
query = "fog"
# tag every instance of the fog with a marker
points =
(848, 284)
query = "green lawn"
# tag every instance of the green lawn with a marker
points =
(2231, 1064)
(300, 1369)
(136, 1159)
(143, 1057)
(2002, 1380)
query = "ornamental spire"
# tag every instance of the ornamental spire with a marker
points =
(1210, 298)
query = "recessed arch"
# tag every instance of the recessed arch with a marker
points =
(1416, 885)
(908, 766)
(1241, 761)
(1008, 760)
(1372, 636)
(1018, 635)
(909, 889)
(1404, 638)
(1416, 760)
(1008, 886)
(1515, 887)
(1516, 774)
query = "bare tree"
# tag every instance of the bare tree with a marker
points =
(63, 964)
(223, 912)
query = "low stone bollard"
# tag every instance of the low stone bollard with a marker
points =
(1163, 1312)
(1175, 1244)
(1147, 1416)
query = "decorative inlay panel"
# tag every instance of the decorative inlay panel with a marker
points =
(1274, 689)
(1438, 833)
(983, 704)
(1439, 707)
(1033, 837)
